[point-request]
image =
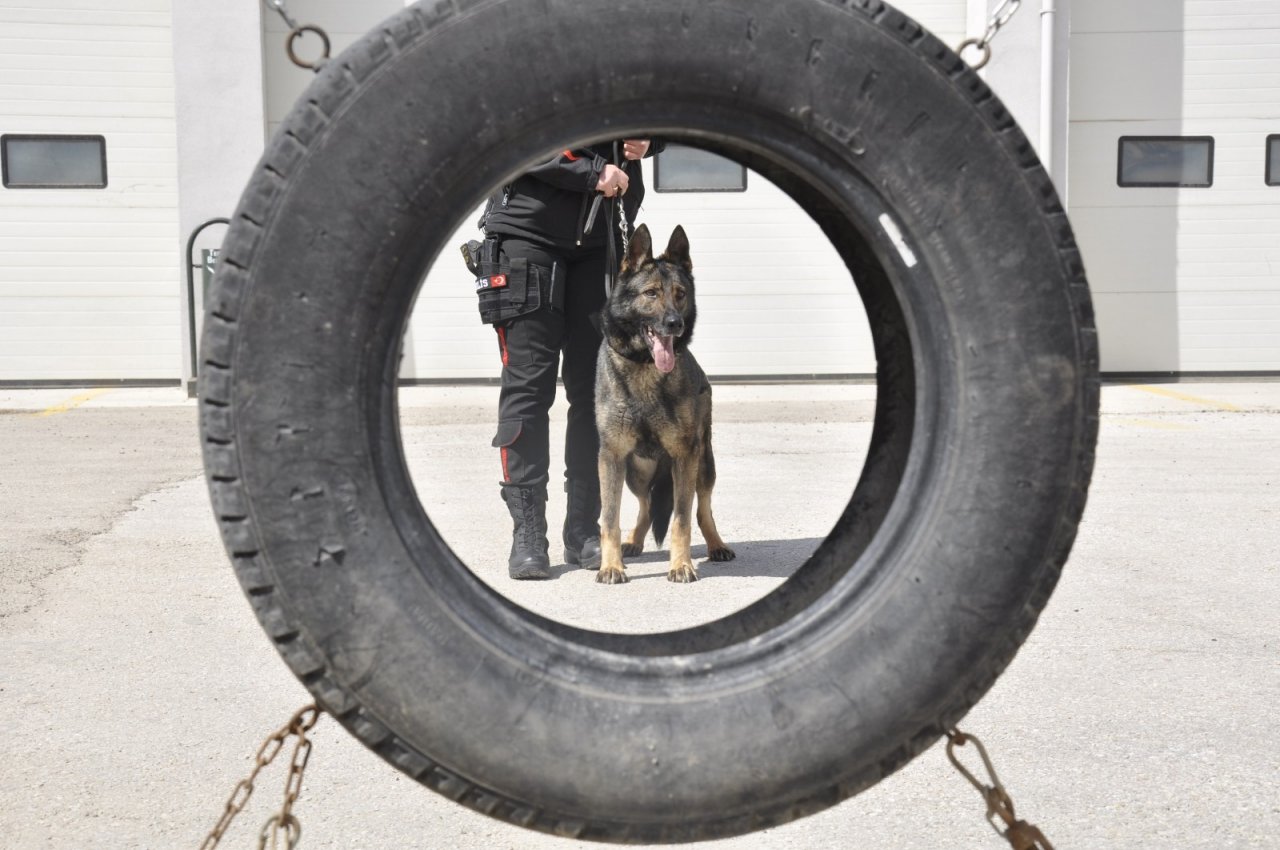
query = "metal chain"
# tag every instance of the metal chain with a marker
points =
(622, 228)
(1001, 16)
(1020, 834)
(296, 31)
(279, 7)
(282, 824)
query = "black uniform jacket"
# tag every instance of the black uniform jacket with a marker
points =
(549, 203)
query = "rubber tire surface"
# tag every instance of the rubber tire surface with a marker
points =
(948, 550)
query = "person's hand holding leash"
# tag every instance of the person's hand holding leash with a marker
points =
(613, 181)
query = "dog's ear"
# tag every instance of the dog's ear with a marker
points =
(639, 250)
(678, 250)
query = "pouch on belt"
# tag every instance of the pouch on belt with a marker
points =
(507, 287)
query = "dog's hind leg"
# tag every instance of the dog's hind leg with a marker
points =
(716, 548)
(633, 543)
(640, 472)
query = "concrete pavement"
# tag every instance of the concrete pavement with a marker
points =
(135, 683)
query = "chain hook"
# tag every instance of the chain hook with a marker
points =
(1020, 834)
(1001, 16)
(984, 48)
(297, 31)
(277, 827)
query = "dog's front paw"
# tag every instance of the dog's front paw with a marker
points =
(630, 550)
(612, 575)
(724, 553)
(682, 573)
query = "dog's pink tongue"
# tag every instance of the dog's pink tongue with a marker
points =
(664, 353)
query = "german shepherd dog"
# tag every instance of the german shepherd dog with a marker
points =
(653, 411)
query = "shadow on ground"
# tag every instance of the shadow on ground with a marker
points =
(755, 558)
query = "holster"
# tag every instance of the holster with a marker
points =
(507, 287)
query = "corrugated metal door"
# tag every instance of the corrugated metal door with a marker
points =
(1184, 279)
(88, 286)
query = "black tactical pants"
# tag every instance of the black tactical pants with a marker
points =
(530, 347)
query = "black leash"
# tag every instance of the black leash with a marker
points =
(588, 221)
(611, 248)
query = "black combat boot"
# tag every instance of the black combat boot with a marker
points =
(582, 524)
(528, 507)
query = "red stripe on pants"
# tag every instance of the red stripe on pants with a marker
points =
(502, 344)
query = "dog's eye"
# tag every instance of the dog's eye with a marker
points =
(651, 293)
(679, 294)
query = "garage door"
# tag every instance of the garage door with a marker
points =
(1174, 109)
(88, 212)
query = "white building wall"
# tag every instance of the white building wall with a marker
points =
(220, 122)
(1184, 280)
(88, 288)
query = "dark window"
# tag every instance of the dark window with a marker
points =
(683, 169)
(1166, 161)
(53, 162)
(1273, 160)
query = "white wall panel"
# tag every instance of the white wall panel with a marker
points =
(1130, 16)
(1163, 261)
(1130, 76)
(1137, 329)
(88, 286)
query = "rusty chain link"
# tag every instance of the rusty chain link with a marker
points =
(1020, 834)
(282, 824)
(1001, 16)
(296, 31)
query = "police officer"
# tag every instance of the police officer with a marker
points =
(546, 217)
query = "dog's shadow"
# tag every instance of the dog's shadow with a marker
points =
(755, 558)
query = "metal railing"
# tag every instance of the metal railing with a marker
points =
(192, 265)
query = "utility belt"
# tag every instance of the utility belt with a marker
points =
(507, 287)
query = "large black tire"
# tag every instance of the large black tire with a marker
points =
(947, 551)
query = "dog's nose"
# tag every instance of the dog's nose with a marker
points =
(672, 323)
